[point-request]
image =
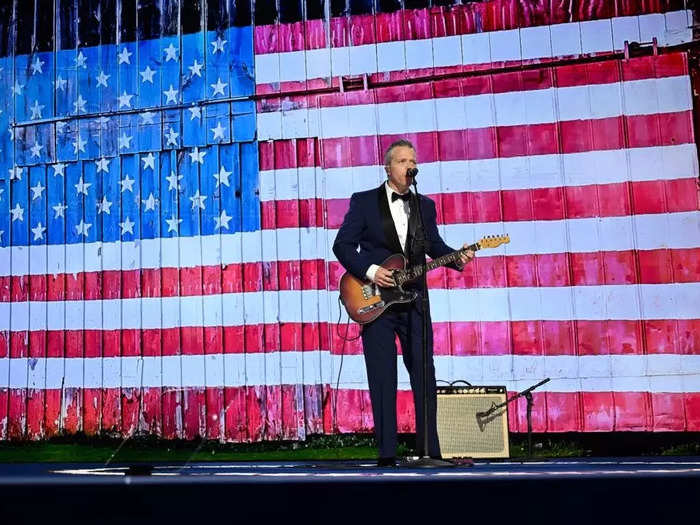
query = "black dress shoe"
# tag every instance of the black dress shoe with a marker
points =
(386, 462)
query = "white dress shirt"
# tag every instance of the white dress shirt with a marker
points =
(400, 211)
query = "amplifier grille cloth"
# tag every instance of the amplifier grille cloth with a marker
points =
(462, 434)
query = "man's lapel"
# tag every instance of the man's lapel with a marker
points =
(390, 235)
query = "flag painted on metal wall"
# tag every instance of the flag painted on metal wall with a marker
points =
(165, 262)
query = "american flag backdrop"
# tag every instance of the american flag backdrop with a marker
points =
(173, 175)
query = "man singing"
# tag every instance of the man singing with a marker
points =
(382, 222)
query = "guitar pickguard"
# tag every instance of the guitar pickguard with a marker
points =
(387, 297)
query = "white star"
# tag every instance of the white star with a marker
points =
(170, 52)
(17, 88)
(172, 136)
(125, 141)
(127, 226)
(16, 173)
(173, 224)
(37, 66)
(148, 117)
(60, 83)
(197, 156)
(170, 95)
(148, 161)
(60, 126)
(81, 60)
(36, 110)
(102, 121)
(222, 220)
(59, 169)
(218, 87)
(125, 100)
(196, 69)
(218, 45)
(150, 202)
(82, 187)
(82, 228)
(124, 56)
(173, 181)
(102, 165)
(147, 74)
(195, 112)
(102, 79)
(36, 150)
(79, 105)
(127, 184)
(38, 231)
(218, 131)
(17, 213)
(104, 206)
(79, 145)
(37, 190)
(198, 200)
(59, 210)
(222, 176)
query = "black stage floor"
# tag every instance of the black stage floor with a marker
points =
(621, 490)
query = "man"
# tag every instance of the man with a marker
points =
(382, 222)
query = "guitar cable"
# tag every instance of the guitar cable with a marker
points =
(345, 339)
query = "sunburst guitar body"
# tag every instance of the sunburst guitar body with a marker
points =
(365, 301)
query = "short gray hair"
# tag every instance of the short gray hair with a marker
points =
(396, 144)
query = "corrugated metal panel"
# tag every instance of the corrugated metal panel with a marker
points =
(162, 271)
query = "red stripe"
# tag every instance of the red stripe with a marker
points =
(417, 24)
(231, 414)
(576, 136)
(660, 266)
(259, 412)
(664, 336)
(667, 336)
(533, 204)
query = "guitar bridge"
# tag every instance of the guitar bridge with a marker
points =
(369, 308)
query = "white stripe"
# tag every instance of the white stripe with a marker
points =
(646, 301)
(592, 36)
(641, 232)
(637, 232)
(646, 373)
(516, 108)
(511, 173)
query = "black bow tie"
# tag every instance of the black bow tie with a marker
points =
(405, 197)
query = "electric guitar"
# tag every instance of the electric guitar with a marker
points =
(365, 301)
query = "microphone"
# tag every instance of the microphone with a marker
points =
(411, 172)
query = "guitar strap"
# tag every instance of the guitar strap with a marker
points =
(414, 235)
(390, 235)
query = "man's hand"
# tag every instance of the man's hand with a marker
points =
(384, 278)
(467, 256)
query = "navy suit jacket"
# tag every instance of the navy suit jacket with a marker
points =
(369, 225)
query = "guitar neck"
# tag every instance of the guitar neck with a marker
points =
(416, 271)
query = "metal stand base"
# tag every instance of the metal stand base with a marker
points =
(426, 462)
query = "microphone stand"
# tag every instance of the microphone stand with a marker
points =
(527, 394)
(425, 461)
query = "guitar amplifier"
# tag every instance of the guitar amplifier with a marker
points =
(463, 431)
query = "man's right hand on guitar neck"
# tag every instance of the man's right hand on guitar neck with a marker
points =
(381, 276)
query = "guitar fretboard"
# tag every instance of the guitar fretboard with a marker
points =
(416, 271)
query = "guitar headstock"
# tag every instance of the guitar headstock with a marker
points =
(493, 241)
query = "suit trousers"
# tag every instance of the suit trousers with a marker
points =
(379, 346)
